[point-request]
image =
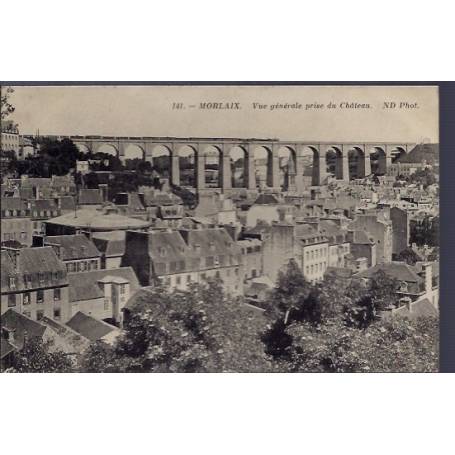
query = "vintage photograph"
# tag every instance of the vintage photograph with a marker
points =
(219, 228)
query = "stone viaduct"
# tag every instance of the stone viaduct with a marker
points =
(298, 151)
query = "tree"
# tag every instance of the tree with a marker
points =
(409, 256)
(393, 345)
(425, 231)
(290, 293)
(39, 356)
(380, 295)
(199, 330)
(6, 107)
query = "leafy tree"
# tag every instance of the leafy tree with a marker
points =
(6, 107)
(290, 293)
(409, 256)
(380, 295)
(199, 330)
(40, 356)
(394, 345)
(425, 231)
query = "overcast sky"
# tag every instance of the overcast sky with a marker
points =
(147, 111)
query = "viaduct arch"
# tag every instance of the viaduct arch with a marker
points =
(299, 151)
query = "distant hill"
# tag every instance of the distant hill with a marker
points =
(421, 152)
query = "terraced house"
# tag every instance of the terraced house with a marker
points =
(16, 225)
(78, 252)
(34, 282)
(180, 257)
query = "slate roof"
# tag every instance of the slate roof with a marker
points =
(23, 327)
(157, 199)
(32, 262)
(84, 285)
(13, 203)
(76, 246)
(90, 197)
(67, 203)
(399, 270)
(186, 247)
(5, 348)
(111, 243)
(420, 308)
(90, 327)
(98, 220)
(266, 199)
(35, 181)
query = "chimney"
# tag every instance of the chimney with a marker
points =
(103, 189)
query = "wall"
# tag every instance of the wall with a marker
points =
(401, 229)
(380, 232)
(278, 249)
(20, 229)
(314, 261)
(48, 305)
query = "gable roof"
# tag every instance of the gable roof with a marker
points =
(399, 270)
(89, 327)
(111, 243)
(266, 199)
(84, 285)
(32, 262)
(76, 246)
(419, 308)
(23, 327)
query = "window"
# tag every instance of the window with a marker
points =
(217, 274)
(12, 282)
(23, 235)
(95, 265)
(26, 298)
(178, 280)
(11, 300)
(106, 304)
(209, 261)
(27, 313)
(39, 296)
(122, 288)
(39, 315)
(57, 294)
(57, 313)
(307, 270)
(188, 278)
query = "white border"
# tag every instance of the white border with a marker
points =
(226, 41)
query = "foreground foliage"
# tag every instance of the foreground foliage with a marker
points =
(199, 330)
